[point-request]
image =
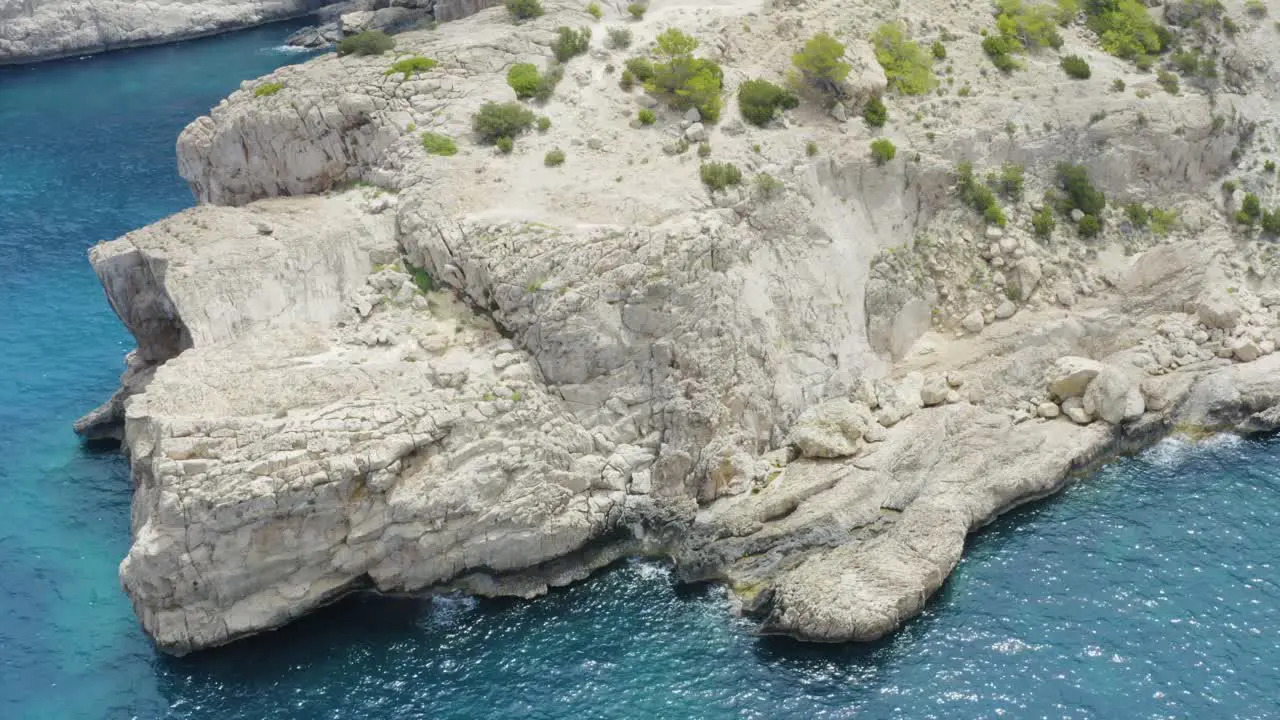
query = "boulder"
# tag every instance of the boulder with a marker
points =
(1074, 409)
(1070, 376)
(1047, 410)
(1245, 349)
(831, 429)
(1217, 310)
(1026, 278)
(973, 322)
(934, 390)
(899, 400)
(1113, 396)
(1005, 310)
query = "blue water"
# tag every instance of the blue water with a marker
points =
(1146, 591)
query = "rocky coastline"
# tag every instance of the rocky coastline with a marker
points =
(365, 365)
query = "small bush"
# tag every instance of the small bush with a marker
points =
(811, 148)
(638, 9)
(907, 66)
(1269, 166)
(939, 50)
(647, 116)
(505, 145)
(524, 9)
(268, 89)
(554, 158)
(437, 144)
(618, 38)
(704, 150)
(495, 121)
(821, 63)
(640, 68)
(1076, 67)
(768, 185)
(570, 43)
(1126, 29)
(411, 66)
(1229, 186)
(1067, 10)
(720, 175)
(1117, 85)
(760, 100)
(1008, 182)
(995, 216)
(1137, 215)
(977, 195)
(627, 81)
(1256, 8)
(525, 79)
(369, 42)
(1162, 222)
(1080, 193)
(544, 123)
(1250, 209)
(875, 113)
(1042, 222)
(684, 81)
(1168, 81)
(1271, 222)
(1089, 226)
(883, 150)
(1000, 49)
(594, 10)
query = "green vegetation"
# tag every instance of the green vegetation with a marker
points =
(369, 42)
(681, 79)
(938, 50)
(875, 113)
(437, 144)
(1256, 8)
(1137, 215)
(760, 100)
(268, 89)
(594, 10)
(411, 66)
(524, 78)
(907, 66)
(505, 145)
(1117, 85)
(638, 9)
(420, 278)
(978, 196)
(1162, 222)
(1081, 195)
(704, 150)
(640, 68)
(1021, 27)
(1067, 11)
(1269, 166)
(768, 185)
(1000, 49)
(1250, 211)
(821, 63)
(495, 121)
(627, 81)
(1089, 226)
(1271, 222)
(554, 158)
(618, 38)
(720, 175)
(1168, 81)
(811, 148)
(570, 43)
(544, 123)
(1042, 222)
(883, 150)
(1008, 181)
(647, 116)
(1229, 186)
(1126, 29)
(1076, 67)
(524, 9)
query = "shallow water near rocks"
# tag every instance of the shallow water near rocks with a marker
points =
(1149, 590)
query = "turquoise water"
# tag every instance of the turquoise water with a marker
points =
(1147, 591)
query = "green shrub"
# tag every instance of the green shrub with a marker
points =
(1250, 209)
(821, 63)
(1269, 166)
(1076, 67)
(1000, 49)
(811, 148)
(411, 66)
(1126, 29)
(524, 9)
(977, 195)
(939, 50)
(875, 113)
(640, 68)
(369, 42)
(1168, 81)
(760, 100)
(768, 185)
(1137, 215)
(570, 43)
(627, 80)
(495, 121)
(505, 144)
(1042, 222)
(1089, 226)
(1067, 10)
(268, 89)
(420, 278)
(1271, 222)
(1080, 193)
(638, 9)
(907, 66)
(618, 38)
(647, 116)
(1162, 222)
(704, 150)
(1008, 182)
(995, 216)
(554, 158)
(1256, 8)
(437, 144)
(1117, 85)
(1031, 26)
(1229, 186)
(883, 150)
(594, 10)
(720, 175)
(684, 81)
(524, 78)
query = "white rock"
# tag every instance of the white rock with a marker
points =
(1245, 350)
(1047, 410)
(831, 429)
(934, 390)
(1070, 376)
(973, 322)
(1074, 409)
(1005, 310)
(695, 132)
(1112, 396)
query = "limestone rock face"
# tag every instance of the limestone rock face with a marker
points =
(1070, 376)
(831, 429)
(33, 30)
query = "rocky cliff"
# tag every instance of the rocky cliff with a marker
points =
(494, 372)
(34, 30)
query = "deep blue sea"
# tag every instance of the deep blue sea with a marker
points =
(1149, 590)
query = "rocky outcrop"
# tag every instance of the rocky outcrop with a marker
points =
(34, 30)
(479, 372)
